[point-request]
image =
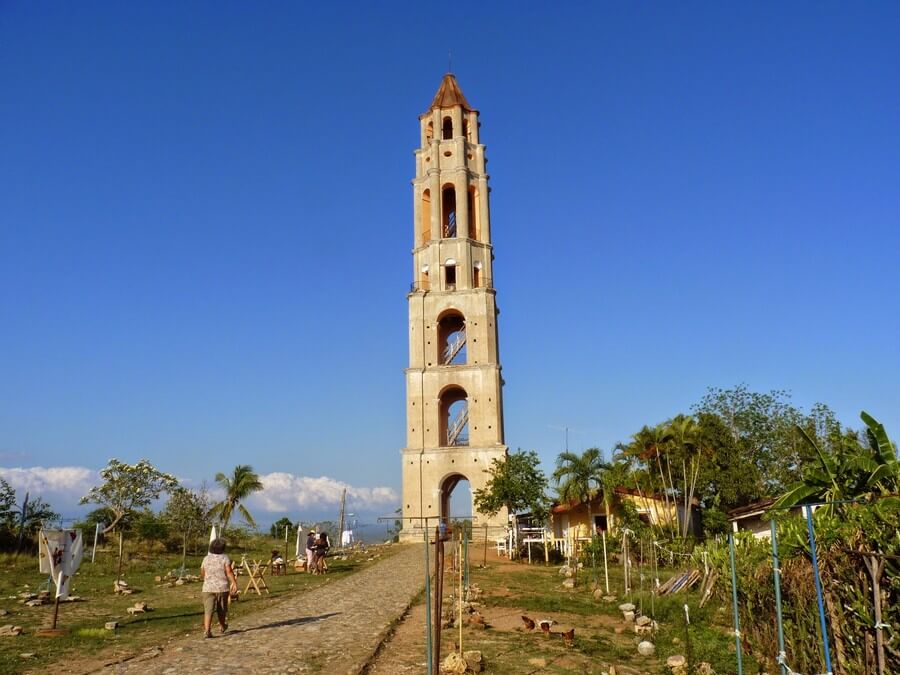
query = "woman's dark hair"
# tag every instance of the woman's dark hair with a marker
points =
(217, 546)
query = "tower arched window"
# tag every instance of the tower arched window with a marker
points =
(450, 275)
(447, 129)
(425, 217)
(454, 411)
(429, 131)
(452, 339)
(448, 212)
(466, 130)
(473, 212)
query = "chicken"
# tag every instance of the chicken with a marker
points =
(529, 623)
(568, 637)
(545, 625)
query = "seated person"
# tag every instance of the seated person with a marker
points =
(277, 563)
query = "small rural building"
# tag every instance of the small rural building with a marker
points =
(570, 520)
(755, 518)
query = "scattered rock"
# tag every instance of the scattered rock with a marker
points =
(629, 616)
(598, 593)
(111, 625)
(27, 655)
(646, 648)
(4, 612)
(609, 598)
(643, 621)
(126, 591)
(179, 582)
(705, 668)
(10, 630)
(676, 641)
(568, 583)
(34, 603)
(676, 661)
(626, 607)
(645, 630)
(473, 660)
(28, 596)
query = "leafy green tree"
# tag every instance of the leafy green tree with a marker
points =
(187, 513)
(242, 483)
(516, 483)
(277, 529)
(7, 505)
(764, 426)
(577, 478)
(150, 528)
(128, 488)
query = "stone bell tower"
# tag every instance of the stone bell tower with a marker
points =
(454, 384)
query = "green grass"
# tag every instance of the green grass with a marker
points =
(175, 611)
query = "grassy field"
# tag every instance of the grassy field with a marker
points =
(176, 611)
(602, 638)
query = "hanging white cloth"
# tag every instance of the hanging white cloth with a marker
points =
(60, 555)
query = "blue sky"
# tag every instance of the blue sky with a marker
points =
(206, 222)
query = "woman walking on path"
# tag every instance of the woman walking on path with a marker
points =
(218, 581)
(322, 546)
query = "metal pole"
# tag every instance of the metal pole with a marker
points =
(605, 566)
(734, 604)
(96, 533)
(819, 597)
(56, 609)
(459, 600)
(776, 570)
(438, 599)
(427, 601)
(466, 556)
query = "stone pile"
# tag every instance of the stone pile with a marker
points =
(10, 630)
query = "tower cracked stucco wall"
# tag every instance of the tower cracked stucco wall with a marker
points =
(454, 383)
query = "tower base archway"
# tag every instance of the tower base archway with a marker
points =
(429, 479)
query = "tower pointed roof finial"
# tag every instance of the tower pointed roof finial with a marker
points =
(449, 95)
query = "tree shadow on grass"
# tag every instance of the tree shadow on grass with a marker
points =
(299, 621)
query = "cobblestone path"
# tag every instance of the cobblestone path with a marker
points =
(335, 628)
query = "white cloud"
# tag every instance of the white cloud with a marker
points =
(285, 492)
(66, 481)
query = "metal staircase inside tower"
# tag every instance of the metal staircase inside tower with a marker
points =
(455, 435)
(454, 346)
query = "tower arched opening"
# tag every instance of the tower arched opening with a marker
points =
(454, 412)
(456, 498)
(429, 131)
(425, 217)
(473, 213)
(452, 339)
(448, 211)
(447, 128)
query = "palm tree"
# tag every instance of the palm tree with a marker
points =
(684, 433)
(241, 484)
(577, 476)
